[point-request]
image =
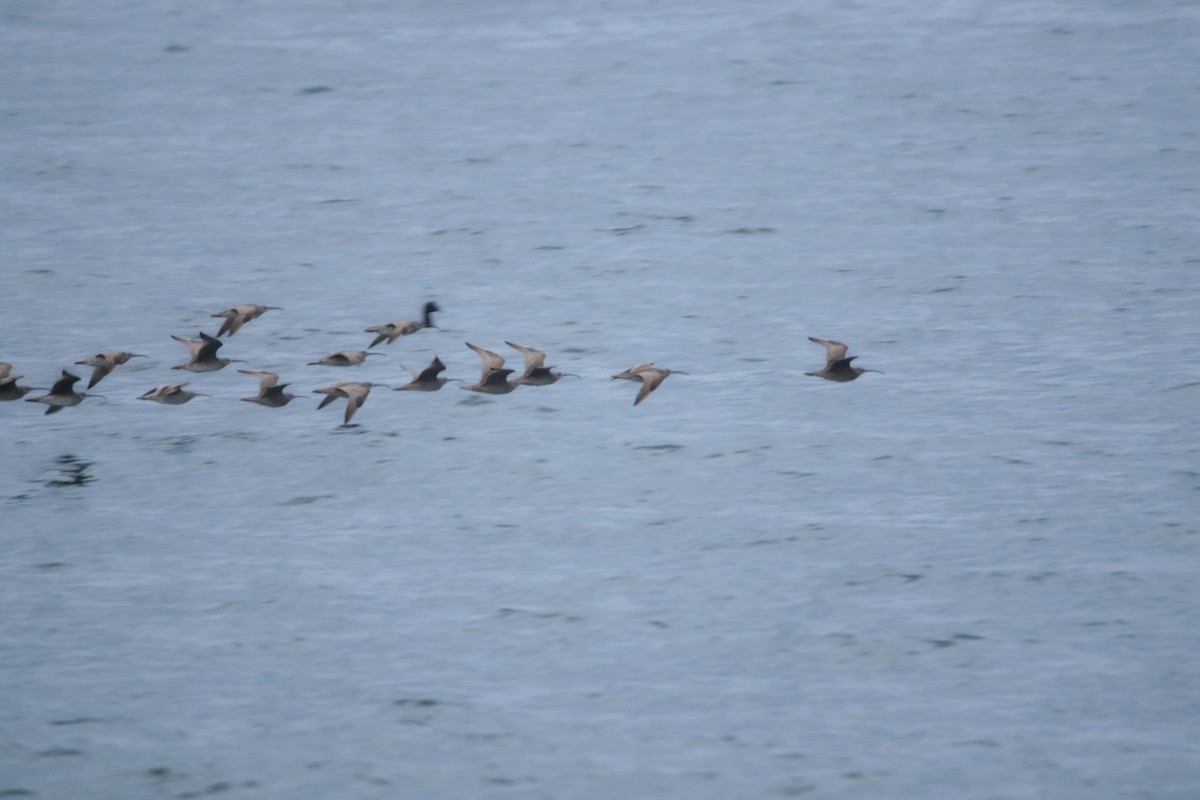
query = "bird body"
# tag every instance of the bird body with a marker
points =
(837, 364)
(237, 316)
(345, 358)
(536, 372)
(427, 380)
(105, 362)
(354, 392)
(493, 379)
(270, 390)
(9, 389)
(204, 354)
(170, 394)
(392, 331)
(61, 395)
(650, 376)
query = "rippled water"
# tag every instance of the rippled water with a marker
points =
(972, 575)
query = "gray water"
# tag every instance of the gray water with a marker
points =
(972, 576)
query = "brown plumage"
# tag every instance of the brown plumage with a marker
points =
(105, 362)
(837, 365)
(204, 354)
(650, 376)
(345, 358)
(536, 372)
(238, 316)
(170, 394)
(9, 389)
(493, 378)
(392, 331)
(427, 380)
(61, 395)
(354, 392)
(270, 390)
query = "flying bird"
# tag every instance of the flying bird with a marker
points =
(105, 362)
(204, 354)
(238, 316)
(61, 395)
(650, 376)
(392, 331)
(493, 379)
(354, 392)
(837, 365)
(170, 394)
(427, 380)
(9, 389)
(536, 372)
(270, 390)
(345, 358)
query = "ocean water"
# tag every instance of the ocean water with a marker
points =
(972, 575)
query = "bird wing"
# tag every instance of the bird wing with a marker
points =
(534, 359)
(634, 373)
(495, 377)
(331, 393)
(193, 345)
(430, 373)
(208, 348)
(491, 361)
(651, 380)
(64, 383)
(99, 372)
(356, 397)
(833, 350)
(265, 379)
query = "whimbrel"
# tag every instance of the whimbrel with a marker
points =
(238, 316)
(9, 388)
(493, 379)
(62, 394)
(837, 365)
(346, 358)
(536, 372)
(392, 331)
(105, 362)
(650, 376)
(204, 354)
(270, 390)
(171, 394)
(427, 380)
(354, 392)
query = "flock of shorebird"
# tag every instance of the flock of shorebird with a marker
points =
(494, 378)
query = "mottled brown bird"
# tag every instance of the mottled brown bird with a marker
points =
(238, 316)
(204, 354)
(493, 379)
(170, 394)
(62, 394)
(536, 372)
(105, 362)
(837, 365)
(427, 380)
(270, 390)
(392, 331)
(650, 376)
